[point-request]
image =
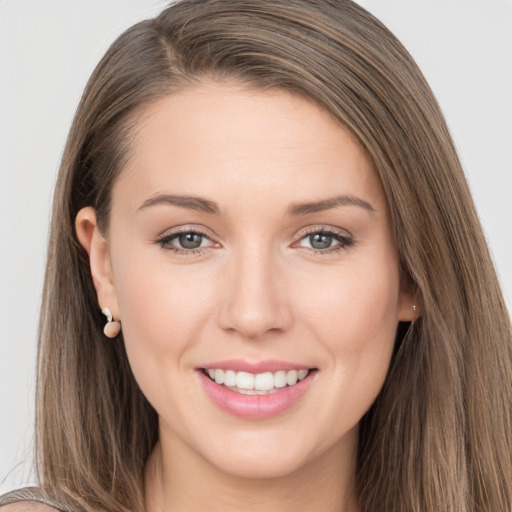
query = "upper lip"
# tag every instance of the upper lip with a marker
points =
(242, 365)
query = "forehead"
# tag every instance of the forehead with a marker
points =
(222, 138)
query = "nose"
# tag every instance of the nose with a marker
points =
(256, 296)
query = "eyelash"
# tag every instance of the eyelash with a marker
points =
(165, 241)
(345, 242)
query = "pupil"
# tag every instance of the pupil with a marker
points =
(190, 240)
(320, 241)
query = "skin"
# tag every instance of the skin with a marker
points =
(260, 289)
(24, 506)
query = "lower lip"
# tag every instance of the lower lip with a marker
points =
(255, 406)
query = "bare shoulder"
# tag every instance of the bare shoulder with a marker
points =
(27, 506)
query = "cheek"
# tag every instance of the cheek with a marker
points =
(159, 302)
(355, 318)
(161, 320)
(160, 312)
(355, 305)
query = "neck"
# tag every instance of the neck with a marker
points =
(179, 480)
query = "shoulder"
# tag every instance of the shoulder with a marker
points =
(28, 499)
(27, 506)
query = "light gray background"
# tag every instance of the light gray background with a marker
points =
(47, 51)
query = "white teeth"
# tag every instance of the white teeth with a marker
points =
(230, 378)
(264, 381)
(244, 380)
(219, 376)
(291, 377)
(280, 379)
(250, 391)
(260, 383)
(301, 374)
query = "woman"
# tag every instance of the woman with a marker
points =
(299, 308)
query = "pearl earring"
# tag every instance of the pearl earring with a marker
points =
(414, 308)
(112, 327)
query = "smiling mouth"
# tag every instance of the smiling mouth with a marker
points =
(256, 383)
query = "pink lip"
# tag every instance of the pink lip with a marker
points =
(254, 406)
(241, 365)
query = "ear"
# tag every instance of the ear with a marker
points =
(96, 246)
(409, 308)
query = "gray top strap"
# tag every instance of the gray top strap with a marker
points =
(34, 494)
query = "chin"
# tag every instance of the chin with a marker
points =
(262, 457)
(258, 467)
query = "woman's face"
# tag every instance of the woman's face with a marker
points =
(250, 235)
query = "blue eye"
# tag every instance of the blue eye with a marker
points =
(190, 240)
(186, 242)
(322, 241)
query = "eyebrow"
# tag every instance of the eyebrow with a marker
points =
(206, 206)
(327, 204)
(193, 203)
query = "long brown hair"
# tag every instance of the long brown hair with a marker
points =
(439, 436)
